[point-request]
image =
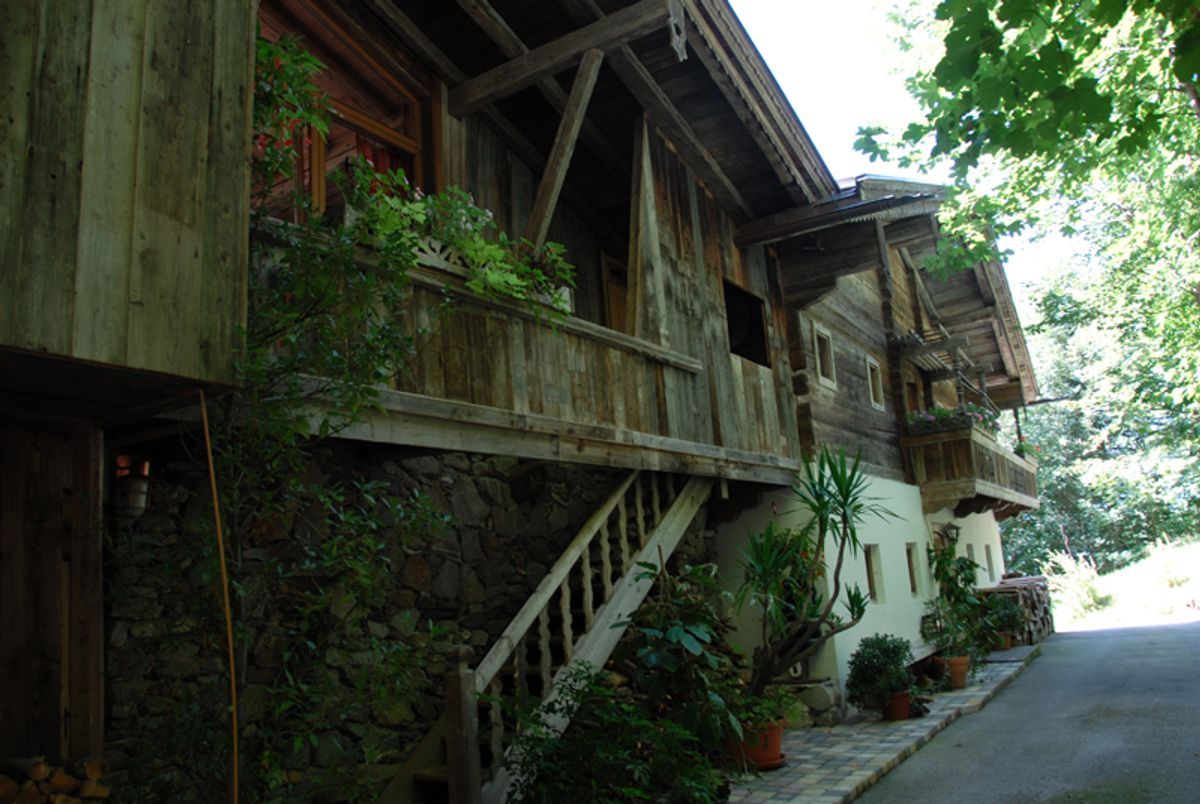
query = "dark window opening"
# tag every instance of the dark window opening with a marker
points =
(746, 315)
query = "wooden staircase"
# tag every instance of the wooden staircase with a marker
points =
(568, 620)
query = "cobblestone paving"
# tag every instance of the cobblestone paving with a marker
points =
(828, 765)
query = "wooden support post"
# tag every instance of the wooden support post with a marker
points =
(564, 146)
(645, 309)
(462, 728)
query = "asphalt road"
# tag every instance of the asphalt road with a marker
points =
(1100, 716)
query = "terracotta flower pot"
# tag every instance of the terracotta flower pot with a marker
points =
(761, 746)
(1003, 641)
(898, 706)
(959, 666)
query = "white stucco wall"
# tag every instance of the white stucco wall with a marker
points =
(980, 535)
(898, 610)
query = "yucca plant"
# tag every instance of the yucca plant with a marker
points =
(782, 567)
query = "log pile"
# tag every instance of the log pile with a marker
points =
(1033, 593)
(33, 780)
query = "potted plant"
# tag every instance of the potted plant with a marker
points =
(783, 570)
(950, 627)
(1006, 619)
(879, 676)
(760, 743)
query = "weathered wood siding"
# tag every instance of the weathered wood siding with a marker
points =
(476, 160)
(51, 601)
(124, 186)
(844, 416)
(686, 386)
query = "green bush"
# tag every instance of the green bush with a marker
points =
(878, 670)
(617, 749)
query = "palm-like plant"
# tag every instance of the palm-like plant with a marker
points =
(782, 567)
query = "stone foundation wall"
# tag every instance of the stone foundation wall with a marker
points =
(509, 521)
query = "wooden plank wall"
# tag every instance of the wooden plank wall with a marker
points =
(486, 356)
(844, 417)
(476, 160)
(124, 185)
(51, 603)
(741, 405)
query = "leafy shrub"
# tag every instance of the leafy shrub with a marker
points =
(1074, 585)
(616, 750)
(878, 669)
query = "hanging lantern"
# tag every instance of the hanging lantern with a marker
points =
(950, 533)
(132, 487)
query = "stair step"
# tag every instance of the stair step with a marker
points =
(437, 773)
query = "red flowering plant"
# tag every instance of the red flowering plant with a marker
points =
(784, 570)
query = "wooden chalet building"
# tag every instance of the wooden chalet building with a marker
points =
(734, 308)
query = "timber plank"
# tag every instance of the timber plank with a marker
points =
(166, 288)
(105, 251)
(226, 245)
(46, 218)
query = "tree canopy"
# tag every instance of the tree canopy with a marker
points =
(1081, 117)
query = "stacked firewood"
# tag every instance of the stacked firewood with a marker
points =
(1034, 595)
(26, 781)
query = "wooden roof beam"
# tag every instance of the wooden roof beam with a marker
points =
(930, 347)
(499, 31)
(564, 146)
(922, 290)
(542, 62)
(970, 317)
(654, 100)
(407, 31)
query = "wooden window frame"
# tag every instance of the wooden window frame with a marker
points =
(875, 383)
(828, 380)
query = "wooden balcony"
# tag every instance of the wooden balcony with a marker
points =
(968, 471)
(490, 376)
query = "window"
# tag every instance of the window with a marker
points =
(987, 557)
(971, 551)
(823, 349)
(910, 396)
(874, 572)
(875, 383)
(379, 110)
(744, 312)
(910, 553)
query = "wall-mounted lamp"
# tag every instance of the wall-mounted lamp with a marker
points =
(132, 486)
(950, 532)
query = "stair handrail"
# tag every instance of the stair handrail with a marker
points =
(502, 650)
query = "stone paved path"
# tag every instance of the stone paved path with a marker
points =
(827, 765)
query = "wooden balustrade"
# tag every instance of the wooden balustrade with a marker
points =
(545, 634)
(967, 470)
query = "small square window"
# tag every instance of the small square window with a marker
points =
(875, 383)
(874, 572)
(823, 349)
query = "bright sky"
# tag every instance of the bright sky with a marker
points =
(836, 62)
(839, 65)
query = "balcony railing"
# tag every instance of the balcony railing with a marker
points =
(967, 470)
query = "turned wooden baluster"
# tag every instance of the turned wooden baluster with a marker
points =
(564, 608)
(589, 605)
(639, 511)
(606, 551)
(544, 665)
(655, 501)
(624, 531)
(496, 717)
